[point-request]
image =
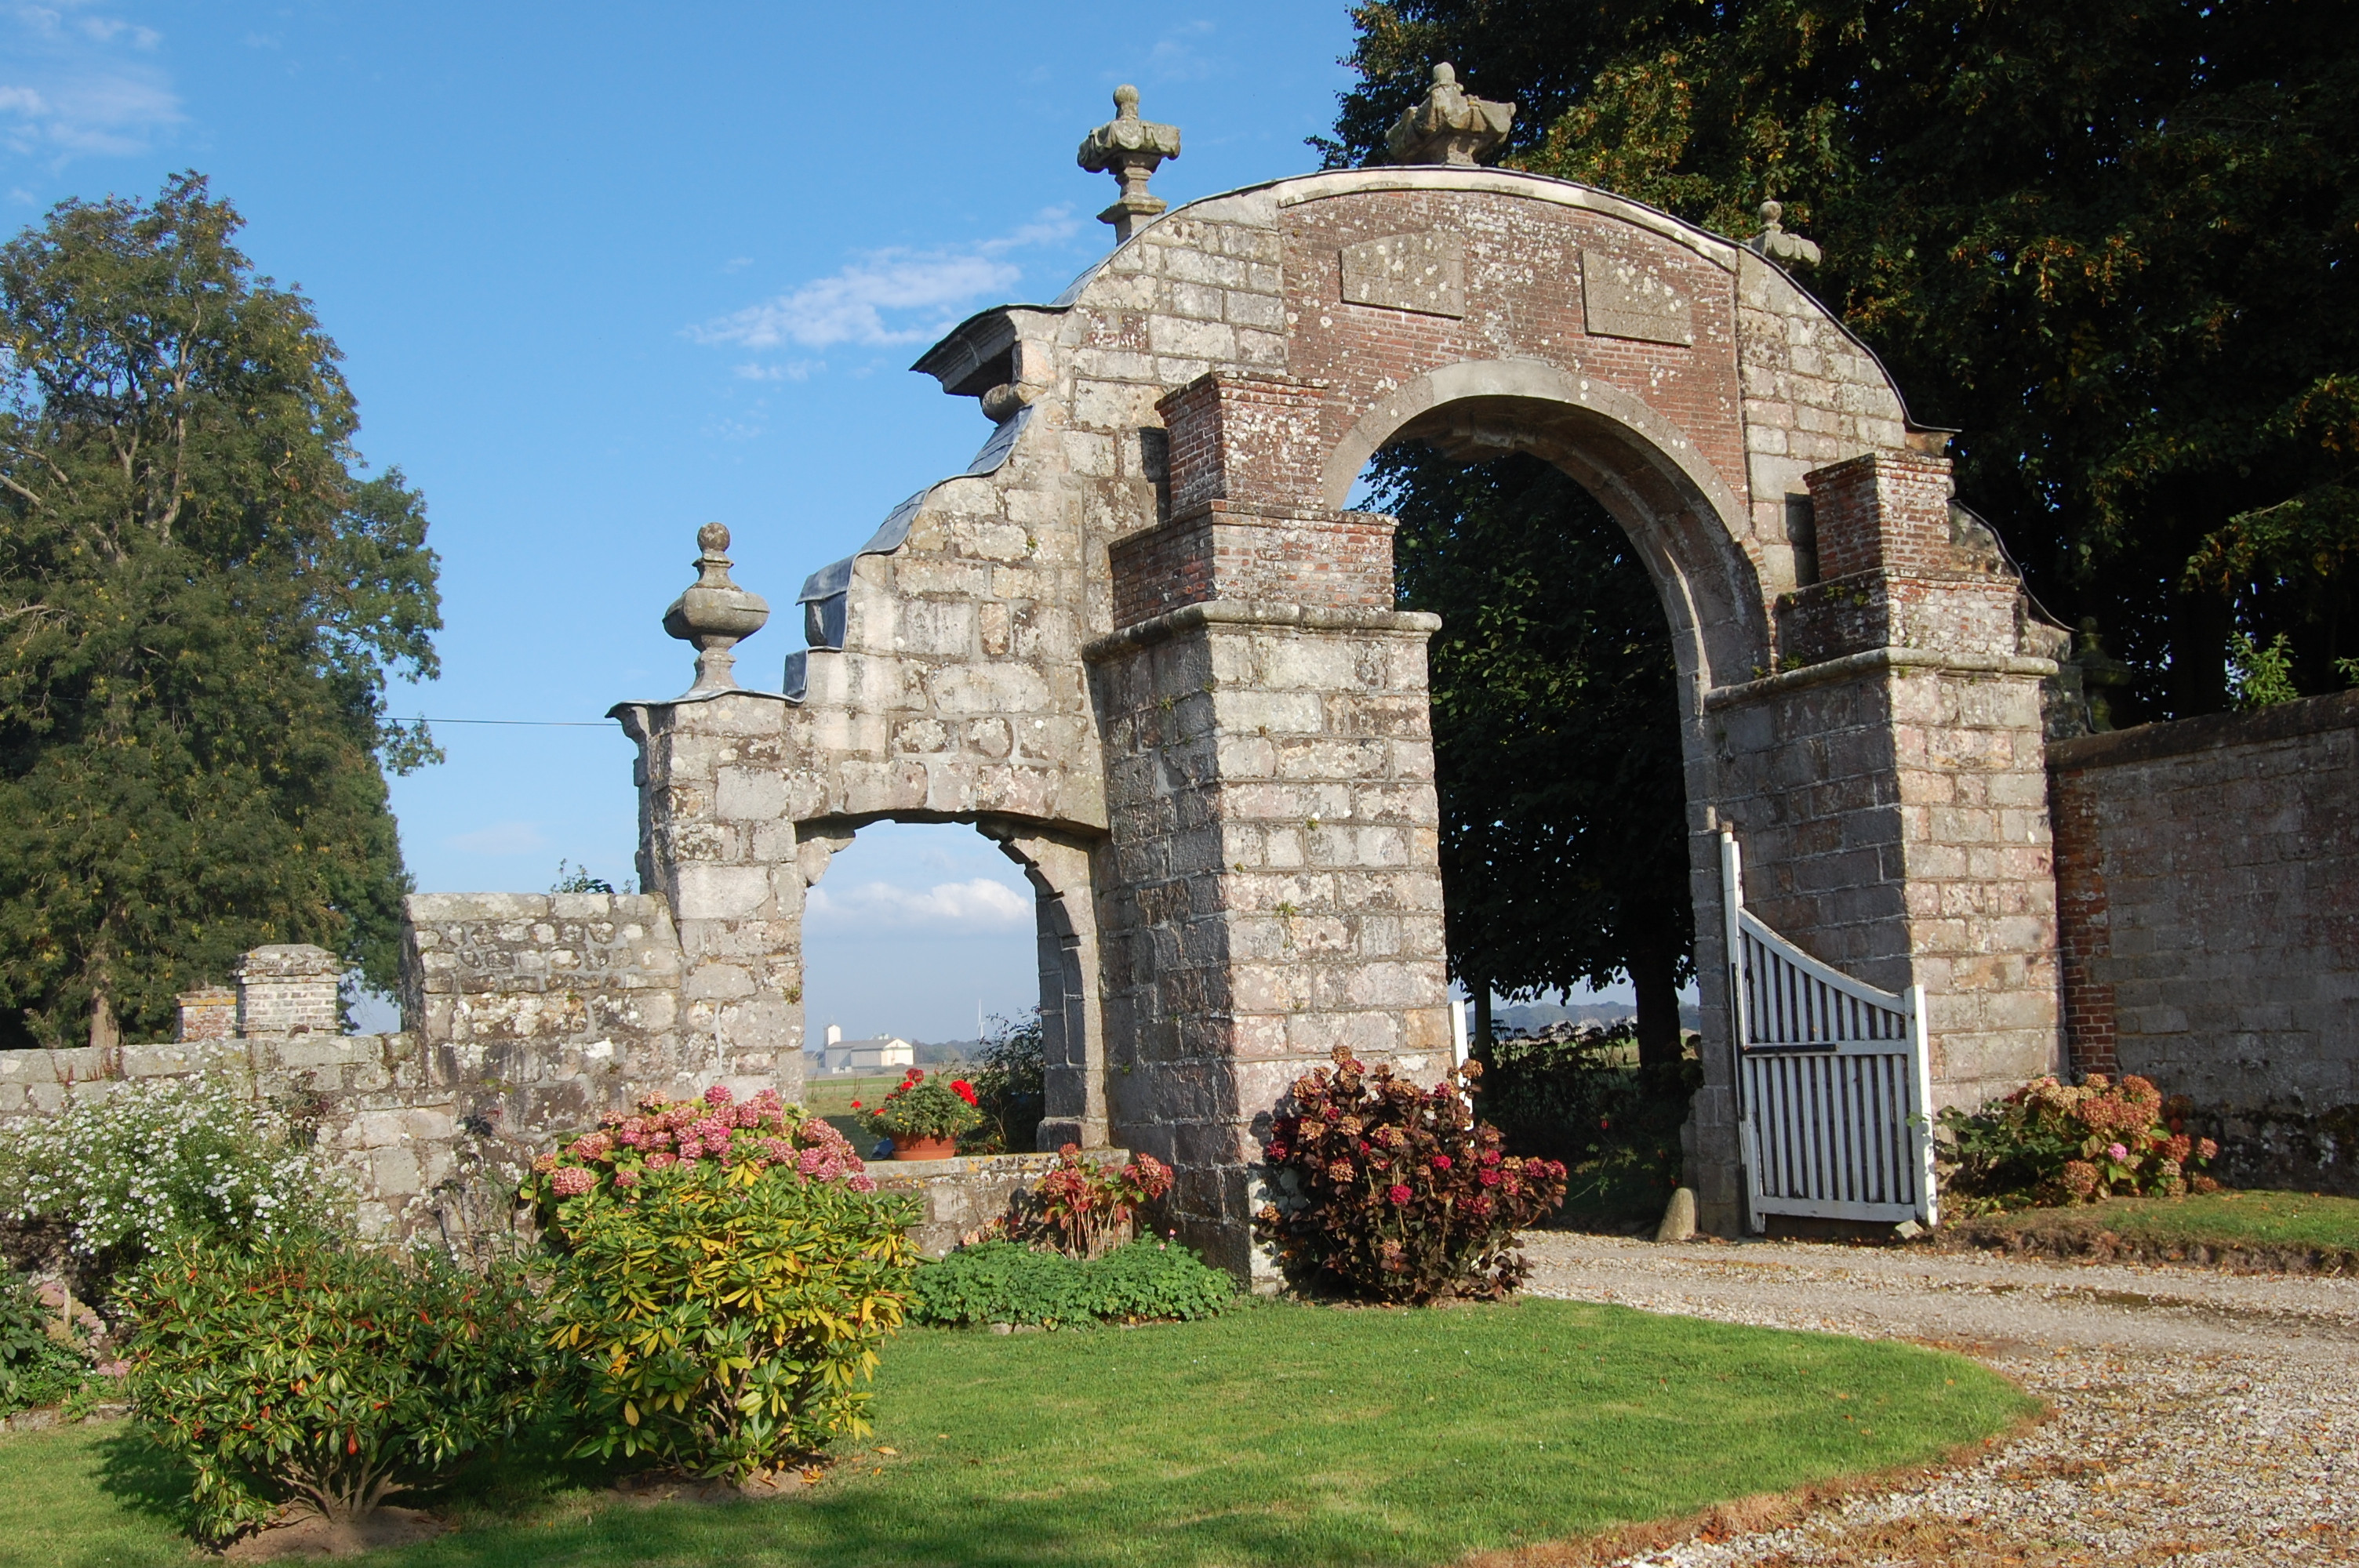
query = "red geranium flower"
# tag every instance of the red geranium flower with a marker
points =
(964, 1089)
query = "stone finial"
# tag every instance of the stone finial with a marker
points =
(1130, 149)
(1448, 126)
(1774, 243)
(2100, 674)
(715, 614)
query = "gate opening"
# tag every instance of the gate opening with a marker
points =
(1564, 824)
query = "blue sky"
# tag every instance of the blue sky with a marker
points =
(603, 273)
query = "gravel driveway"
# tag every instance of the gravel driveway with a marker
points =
(2200, 1418)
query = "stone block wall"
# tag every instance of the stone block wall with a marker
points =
(1276, 893)
(2210, 875)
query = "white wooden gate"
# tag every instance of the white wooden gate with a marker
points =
(1833, 1102)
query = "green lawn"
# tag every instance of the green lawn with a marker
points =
(1279, 1433)
(2249, 1218)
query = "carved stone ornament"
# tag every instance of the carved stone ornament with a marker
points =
(714, 615)
(1621, 298)
(1130, 149)
(1777, 244)
(1424, 273)
(1448, 126)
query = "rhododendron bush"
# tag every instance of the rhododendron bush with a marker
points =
(726, 1271)
(2052, 1142)
(312, 1372)
(1398, 1192)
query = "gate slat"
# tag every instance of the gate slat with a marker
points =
(1832, 1075)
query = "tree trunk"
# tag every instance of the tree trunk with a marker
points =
(104, 1031)
(1654, 973)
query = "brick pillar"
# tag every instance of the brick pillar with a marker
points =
(2085, 924)
(209, 1013)
(716, 841)
(287, 988)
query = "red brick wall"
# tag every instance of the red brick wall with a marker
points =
(1521, 303)
(2083, 923)
(1250, 440)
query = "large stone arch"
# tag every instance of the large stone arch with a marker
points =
(1140, 639)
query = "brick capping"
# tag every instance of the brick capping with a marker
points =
(1242, 612)
(2181, 737)
(1851, 664)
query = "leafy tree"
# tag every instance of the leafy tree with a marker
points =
(2111, 243)
(200, 595)
(1554, 734)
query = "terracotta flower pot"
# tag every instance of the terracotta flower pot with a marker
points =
(925, 1148)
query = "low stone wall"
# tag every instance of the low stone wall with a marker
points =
(396, 1127)
(435, 1140)
(2208, 878)
(961, 1196)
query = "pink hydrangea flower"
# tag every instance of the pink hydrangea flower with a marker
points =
(862, 1181)
(718, 1094)
(662, 1161)
(593, 1147)
(573, 1182)
(627, 1177)
(2119, 1152)
(545, 1164)
(1398, 1192)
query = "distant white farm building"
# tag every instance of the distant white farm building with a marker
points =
(842, 1056)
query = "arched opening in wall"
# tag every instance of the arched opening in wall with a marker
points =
(1564, 825)
(921, 949)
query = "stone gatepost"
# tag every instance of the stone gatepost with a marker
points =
(716, 842)
(1271, 889)
(1889, 788)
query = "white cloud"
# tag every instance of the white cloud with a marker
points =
(501, 838)
(977, 905)
(793, 370)
(887, 297)
(73, 87)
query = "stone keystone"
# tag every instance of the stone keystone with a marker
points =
(1130, 149)
(1447, 126)
(715, 614)
(1774, 243)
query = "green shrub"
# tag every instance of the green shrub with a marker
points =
(1010, 1087)
(308, 1370)
(1001, 1282)
(166, 1157)
(1006, 1281)
(724, 1278)
(40, 1364)
(1583, 1099)
(1398, 1192)
(1155, 1280)
(2050, 1142)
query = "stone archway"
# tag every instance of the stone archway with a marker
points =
(1140, 640)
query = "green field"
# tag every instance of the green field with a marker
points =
(1278, 1434)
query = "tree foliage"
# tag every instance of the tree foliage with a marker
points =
(2112, 243)
(1555, 733)
(201, 596)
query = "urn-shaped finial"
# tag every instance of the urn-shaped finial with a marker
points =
(1447, 125)
(715, 614)
(1779, 245)
(1130, 149)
